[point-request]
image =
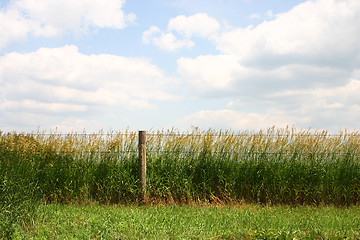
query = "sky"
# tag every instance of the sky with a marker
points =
(242, 65)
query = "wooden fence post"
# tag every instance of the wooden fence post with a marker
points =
(142, 164)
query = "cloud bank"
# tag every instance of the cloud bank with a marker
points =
(180, 30)
(299, 68)
(62, 82)
(51, 18)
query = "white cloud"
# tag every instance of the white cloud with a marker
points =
(314, 45)
(199, 25)
(169, 42)
(74, 15)
(12, 27)
(225, 76)
(331, 109)
(301, 95)
(63, 82)
(209, 73)
(165, 41)
(316, 32)
(269, 14)
(230, 119)
(51, 18)
(254, 16)
(148, 34)
(299, 68)
(76, 124)
(41, 106)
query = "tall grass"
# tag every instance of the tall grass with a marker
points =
(18, 187)
(276, 166)
(273, 166)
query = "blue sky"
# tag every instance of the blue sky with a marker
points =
(241, 65)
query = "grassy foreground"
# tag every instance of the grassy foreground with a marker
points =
(55, 221)
(276, 166)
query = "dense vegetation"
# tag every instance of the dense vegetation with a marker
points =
(277, 166)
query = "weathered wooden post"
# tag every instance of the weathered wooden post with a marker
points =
(142, 164)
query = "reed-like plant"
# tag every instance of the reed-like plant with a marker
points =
(285, 166)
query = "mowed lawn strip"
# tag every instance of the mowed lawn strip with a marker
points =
(55, 221)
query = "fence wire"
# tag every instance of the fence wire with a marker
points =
(179, 134)
(160, 142)
(204, 152)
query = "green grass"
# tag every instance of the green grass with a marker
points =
(279, 166)
(276, 166)
(192, 222)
